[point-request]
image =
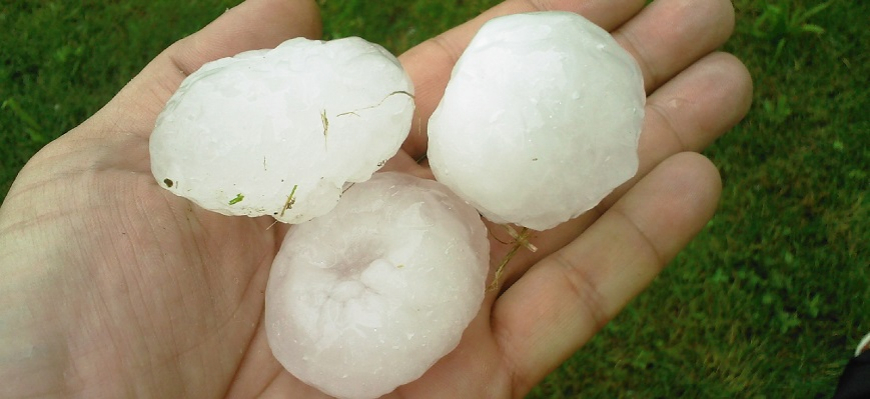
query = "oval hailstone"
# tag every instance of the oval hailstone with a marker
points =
(540, 119)
(279, 132)
(369, 296)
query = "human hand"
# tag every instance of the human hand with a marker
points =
(115, 287)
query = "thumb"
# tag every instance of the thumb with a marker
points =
(254, 24)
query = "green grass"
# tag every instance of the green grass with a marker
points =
(770, 299)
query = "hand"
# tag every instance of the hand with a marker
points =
(114, 287)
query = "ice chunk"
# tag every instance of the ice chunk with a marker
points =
(279, 132)
(369, 296)
(540, 119)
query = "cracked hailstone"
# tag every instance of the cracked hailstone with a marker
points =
(280, 132)
(540, 119)
(369, 296)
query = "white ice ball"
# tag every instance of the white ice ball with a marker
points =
(369, 296)
(280, 132)
(540, 119)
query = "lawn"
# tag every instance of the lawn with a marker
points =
(769, 300)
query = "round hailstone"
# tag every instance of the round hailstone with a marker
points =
(540, 119)
(280, 132)
(369, 296)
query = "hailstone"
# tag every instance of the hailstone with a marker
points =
(369, 296)
(540, 119)
(281, 132)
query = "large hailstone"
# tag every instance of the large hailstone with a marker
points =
(540, 119)
(369, 296)
(280, 132)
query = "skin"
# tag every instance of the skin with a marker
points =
(114, 287)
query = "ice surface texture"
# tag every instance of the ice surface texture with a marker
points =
(540, 119)
(279, 132)
(369, 296)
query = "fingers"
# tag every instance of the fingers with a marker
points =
(697, 106)
(686, 114)
(254, 24)
(563, 300)
(665, 37)
(669, 35)
(691, 111)
(429, 64)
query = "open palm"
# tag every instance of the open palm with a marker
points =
(114, 287)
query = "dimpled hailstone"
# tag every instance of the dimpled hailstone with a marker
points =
(369, 296)
(279, 132)
(540, 119)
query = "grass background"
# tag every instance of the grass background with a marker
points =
(768, 302)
